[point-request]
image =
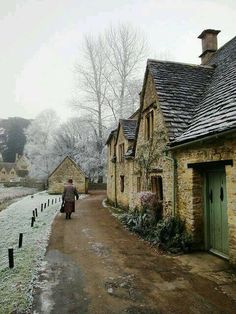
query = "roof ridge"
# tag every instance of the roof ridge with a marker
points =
(181, 63)
(127, 119)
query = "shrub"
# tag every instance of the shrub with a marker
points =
(139, 222)
(168, 233)
(151, 205)
(171, 235)
(148, 200)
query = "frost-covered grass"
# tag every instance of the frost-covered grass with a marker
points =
(7, 194)
(16, 284)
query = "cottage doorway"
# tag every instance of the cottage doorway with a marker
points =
(157, 188)
(216, 214)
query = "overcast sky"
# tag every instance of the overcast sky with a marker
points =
(40, 41)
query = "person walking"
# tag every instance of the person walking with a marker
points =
(68, 198)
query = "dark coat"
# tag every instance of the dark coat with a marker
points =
(68, 197)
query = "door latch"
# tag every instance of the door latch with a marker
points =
(221, 194)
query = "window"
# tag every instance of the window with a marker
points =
(138, 184)
(122, 183)
(149, 125)
(121, 152)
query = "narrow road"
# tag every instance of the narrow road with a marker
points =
(93, 265)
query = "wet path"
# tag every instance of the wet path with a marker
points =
(93, 265)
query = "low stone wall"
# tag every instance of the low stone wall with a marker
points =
(97, 186)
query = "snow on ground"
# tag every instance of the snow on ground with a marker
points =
(16, 283)
(14, 192)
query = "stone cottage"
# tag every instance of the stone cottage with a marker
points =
(67, 169)
(14, 171)
(121, 142)
(188, 114)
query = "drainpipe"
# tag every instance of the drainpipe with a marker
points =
(114, 161)
(115, 187)
(174, 165)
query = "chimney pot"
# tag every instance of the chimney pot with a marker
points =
(209, 44)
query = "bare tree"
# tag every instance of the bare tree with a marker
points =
(68, 136)
(3, 141)
(39, 144)
(108, 80)
(125, 49)
(78, 138)
(92, 82)
(147, 156)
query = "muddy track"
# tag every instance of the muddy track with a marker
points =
(94, 265)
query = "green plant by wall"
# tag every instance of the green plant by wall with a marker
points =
(169, 233)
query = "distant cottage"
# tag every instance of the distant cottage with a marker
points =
(189, 112)
(14, 171)
(67, 169)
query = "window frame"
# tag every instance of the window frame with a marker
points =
(149, 125)
(121, 151)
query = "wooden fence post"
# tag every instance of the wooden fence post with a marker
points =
(20, 240)
(11, 257)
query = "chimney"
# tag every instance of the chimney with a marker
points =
(209, 44)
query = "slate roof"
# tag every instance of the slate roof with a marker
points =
(113, 133)
(129, 128)
(7, 165)
(180, 87)
(216, 112)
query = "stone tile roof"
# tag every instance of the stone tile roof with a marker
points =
(180, 87)
(129, 128)
(7, 165)
(112, 133)
(216, 112)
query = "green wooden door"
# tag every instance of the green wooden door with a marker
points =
(217, 212)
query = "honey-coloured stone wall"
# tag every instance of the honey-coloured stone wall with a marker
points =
(67, 170)
(190, 184)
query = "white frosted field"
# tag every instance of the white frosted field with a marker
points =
(16, 284)
(14, 192)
